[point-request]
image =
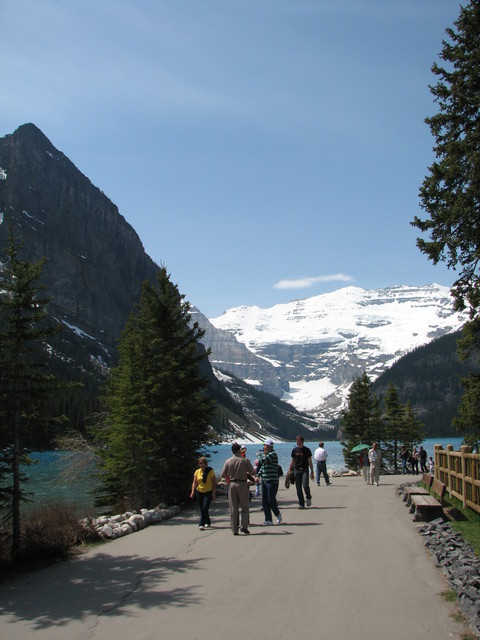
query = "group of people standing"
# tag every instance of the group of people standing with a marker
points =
(239, 471)
(415, 458)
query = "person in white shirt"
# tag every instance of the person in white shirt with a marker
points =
(375, 458)
(320, 457)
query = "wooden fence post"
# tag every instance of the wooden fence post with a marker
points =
(449, 449)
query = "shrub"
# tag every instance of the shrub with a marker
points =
(48, 533)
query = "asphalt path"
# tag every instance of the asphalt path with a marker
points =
(353, 565)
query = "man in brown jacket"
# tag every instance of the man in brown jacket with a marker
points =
(239, 470)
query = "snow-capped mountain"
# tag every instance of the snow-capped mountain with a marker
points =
(319, 345)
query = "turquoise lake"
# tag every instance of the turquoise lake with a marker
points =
(47, 483)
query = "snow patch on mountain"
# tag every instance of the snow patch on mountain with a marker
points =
(322, 343)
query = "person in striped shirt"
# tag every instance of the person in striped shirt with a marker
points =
(268, 472)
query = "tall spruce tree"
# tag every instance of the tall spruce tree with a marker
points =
(450, 193)
(158, 411)
(25, 383)
(413, 434)
(468, 419)
(393, 419)
(400, 427)
(360, 422)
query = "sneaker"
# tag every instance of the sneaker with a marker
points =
(301, 506)
(245, 531)
(309, 502)
(207, 526)
(267, 523)
(201, 528)
(279, 518)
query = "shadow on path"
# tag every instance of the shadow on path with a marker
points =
(98, 585)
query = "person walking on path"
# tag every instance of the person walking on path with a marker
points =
(415, 459)
(239, 470)
(404, 458)
(364, 466)
(320, 456)
(423, 460)
(301, 462)
(203, 486)
(268, 472)
(374, 458)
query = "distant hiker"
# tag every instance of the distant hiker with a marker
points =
(423, 460)
(364, 465)
(415, 460)
(375, 459)
(404, 456)
(320, 456)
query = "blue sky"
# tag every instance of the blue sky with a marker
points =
(263, 150)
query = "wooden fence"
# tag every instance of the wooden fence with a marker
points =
(460, 472)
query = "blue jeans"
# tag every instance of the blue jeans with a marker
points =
(301, 484)
(322, 469)
(204, 500)
(269, 499)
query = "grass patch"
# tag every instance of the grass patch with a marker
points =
(449, 596)
(464, 520)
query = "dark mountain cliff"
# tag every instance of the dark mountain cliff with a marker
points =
(96, 262)
(95, 267)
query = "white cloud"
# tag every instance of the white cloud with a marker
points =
(306, 282)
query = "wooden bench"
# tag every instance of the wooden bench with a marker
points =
(408, 492)
(427, 504)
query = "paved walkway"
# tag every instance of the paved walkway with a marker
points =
(351, 566)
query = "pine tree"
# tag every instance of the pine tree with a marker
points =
(450, 194)
(158, 411)
(360, 422)
(400, 427)
(413, 434)
(468, 419)
(25, 384)
(393, 418)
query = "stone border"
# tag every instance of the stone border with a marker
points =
(458, 561)
(122, 524)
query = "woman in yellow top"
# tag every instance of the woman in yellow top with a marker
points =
(204, 485)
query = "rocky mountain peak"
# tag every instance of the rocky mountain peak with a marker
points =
(96, 262)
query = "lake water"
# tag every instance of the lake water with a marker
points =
(47, 481)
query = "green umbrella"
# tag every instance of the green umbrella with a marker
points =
(360, 447)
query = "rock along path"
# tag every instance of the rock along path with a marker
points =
(351, 566)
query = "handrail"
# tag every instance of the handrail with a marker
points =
(460, 472)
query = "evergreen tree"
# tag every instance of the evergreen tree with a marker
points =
(360, 422)
(393, 418)
(412, 435)
(25, 384)
(158, 411)
(468, 419)
(450, 194)
(400, 427)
